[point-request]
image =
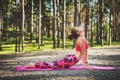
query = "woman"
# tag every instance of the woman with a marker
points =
(70, 60)
(81, 45)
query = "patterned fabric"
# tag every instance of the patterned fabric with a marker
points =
(66, 62)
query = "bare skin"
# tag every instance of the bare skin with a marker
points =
(29, 65)
(83, 55)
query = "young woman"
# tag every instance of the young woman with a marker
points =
(81, 47)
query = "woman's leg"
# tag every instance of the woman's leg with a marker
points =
(66, 62)
(38, 65)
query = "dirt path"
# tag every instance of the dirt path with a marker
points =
(102, 57)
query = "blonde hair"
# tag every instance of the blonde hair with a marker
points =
(78, 29)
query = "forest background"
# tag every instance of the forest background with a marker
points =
(37, 25)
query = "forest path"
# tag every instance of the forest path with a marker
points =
(102, 56)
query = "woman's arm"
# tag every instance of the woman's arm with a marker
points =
(84, 55)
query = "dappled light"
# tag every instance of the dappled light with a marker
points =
(9, 64)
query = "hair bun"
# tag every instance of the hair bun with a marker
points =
(73, 34)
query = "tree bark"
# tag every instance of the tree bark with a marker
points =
(87, 19)
(101, 21)
(54, 24)
(64, 23)
(110, 21)
(23, 18)
(31, 22)
(39, 26)
(0, 25)
(92, 24)
(76, 12)
(58, 24)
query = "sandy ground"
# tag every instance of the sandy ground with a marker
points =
(102, 57)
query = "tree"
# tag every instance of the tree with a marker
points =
(86, 18)
(43, 22)
(58, 23)
(92, 22)
(54, 24)
(76, 8)
(64, 24)
(1, 24)
(101, 8)
(31, 21)
(39, 26)
(22, 23)
(110, 21)
(76, 16)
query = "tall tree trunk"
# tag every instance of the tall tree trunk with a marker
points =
(49, 21)
(79, 13)
(87, 18)
(58, 24)
(92, 23)
(76, 16)
(113, 21)
(54, 24)
(39, 26)
(101, 21)
(64, 23)
(16, 26)
(119, 30)
(43, 21)
(31, 22)
(110, 21)
(76, 12)
(97, 25)
(1, 24)
(116, 24)
(23, 18)
(37, 23)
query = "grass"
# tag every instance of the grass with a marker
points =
(48, 45)
(105, 45)
(29, 47)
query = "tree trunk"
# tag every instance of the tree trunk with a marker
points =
(87, 19)
(39, 26)
(79, 13)
(16, 27)
(64, 23)
(43, 22)
(0, 25)
(76, 17)
(97, 25)
(54, 25)
(110, 21)
(58, 24)
(23, 17)
(76, 12)
(31, 22)
(92, 24)
(101, 21)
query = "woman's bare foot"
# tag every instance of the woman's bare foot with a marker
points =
(29, 65)
(88, 67)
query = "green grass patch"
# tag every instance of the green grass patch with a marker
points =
(31, 47)
(47, 45)
(105, 45)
